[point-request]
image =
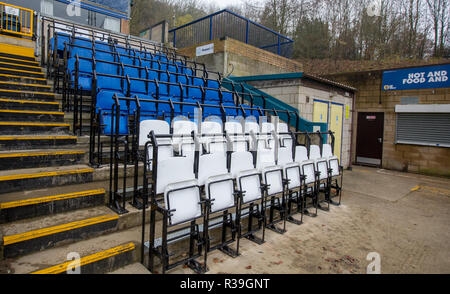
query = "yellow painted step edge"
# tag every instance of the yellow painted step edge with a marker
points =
(12, 239)
(28, 101)
(60, 268)
(45, 174)
(21, 60)
(27, 202)
(21, 70)
(36, 138)
(34, 124)
(24, 84)
(32, 112)
(21, 65)
(20, 77)
(26, 92)
(8, 155)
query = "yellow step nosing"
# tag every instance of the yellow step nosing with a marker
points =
(21, 60)
(31, 154)
(12, 239)
(37, 138)
(20, 77)
(61, 268)
(32, 111)
(27, 92)
(34, 124)
(23, 84)
(21, 70)
(22, 65)
(27, 202)
(28, 101)
(45, 174)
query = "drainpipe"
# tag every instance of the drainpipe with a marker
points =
(351, 132)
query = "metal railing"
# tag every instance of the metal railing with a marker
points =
(226, 23)
(16, 20)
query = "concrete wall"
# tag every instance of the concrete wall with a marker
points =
(413, 158)
(240, 59)
(301, 94)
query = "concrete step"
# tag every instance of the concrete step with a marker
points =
(21, 72)
(132, 269)
(27, 95)
(40, 158)
(31, 115)
(31, 235)
(19, 61)
(25, 179)
(37, 141)
(17, 104)
(21, 79)
(15, 56)
(25, 128)
(24, 86)
(11, 64)
(35, 206)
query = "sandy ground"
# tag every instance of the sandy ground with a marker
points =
(402, 217)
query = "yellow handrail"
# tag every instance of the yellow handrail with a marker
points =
(16, 20)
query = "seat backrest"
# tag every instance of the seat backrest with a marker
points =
(210, 165)
(283, 128)
(314, 152)
(173, 170)
(267, 127)
(251, 126)
(159, 127)
(241, 161)
(301, 154)
(184, 127)
(327, 150)
(232, 127)
(210, 127)
(265, 158)
(284, 156)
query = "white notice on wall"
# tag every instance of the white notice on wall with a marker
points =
(205, 49)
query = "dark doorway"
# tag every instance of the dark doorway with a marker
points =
(369, 138)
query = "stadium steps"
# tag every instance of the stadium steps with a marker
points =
(49, 196)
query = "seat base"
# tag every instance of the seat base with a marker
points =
(306, 212)
(293, 220)
(255, 239)
(197, 267)
(274, 228)
(229, 251)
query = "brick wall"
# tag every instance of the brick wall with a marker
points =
(413, 158)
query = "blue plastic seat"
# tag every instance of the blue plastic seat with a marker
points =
(182, 79)
(175, 90)
(213, 84)
(102, 46)
(105, 56)
(210, 111)
(212, 95)
(61, 38)
(84, 73)
(84, 42)
(230, 111)
(194, 93)
(127, 60)
(108, 121)
(198, 82)
(81, 52)
(105, 101)
(227, 97)
(131, 71)
(106, 68)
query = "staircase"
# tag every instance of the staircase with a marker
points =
(51, 202)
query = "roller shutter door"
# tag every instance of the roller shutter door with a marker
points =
(431, 129)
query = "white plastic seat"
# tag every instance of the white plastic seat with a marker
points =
(291, 169)
(321, 163)
(177, 180)
(251, 126)
(213, 142)
(272, 174)
(159, 127)
(285, 140)
(238, 142)
(265, 140)
(333, 161)
(307, 166)
(184, 128)
(247, 177)
(219, 185)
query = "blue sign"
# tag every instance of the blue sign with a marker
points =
(436, 76)
(120, 5)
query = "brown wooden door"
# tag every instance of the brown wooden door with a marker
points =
(369, 138)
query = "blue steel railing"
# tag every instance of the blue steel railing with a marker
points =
(226, 23)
